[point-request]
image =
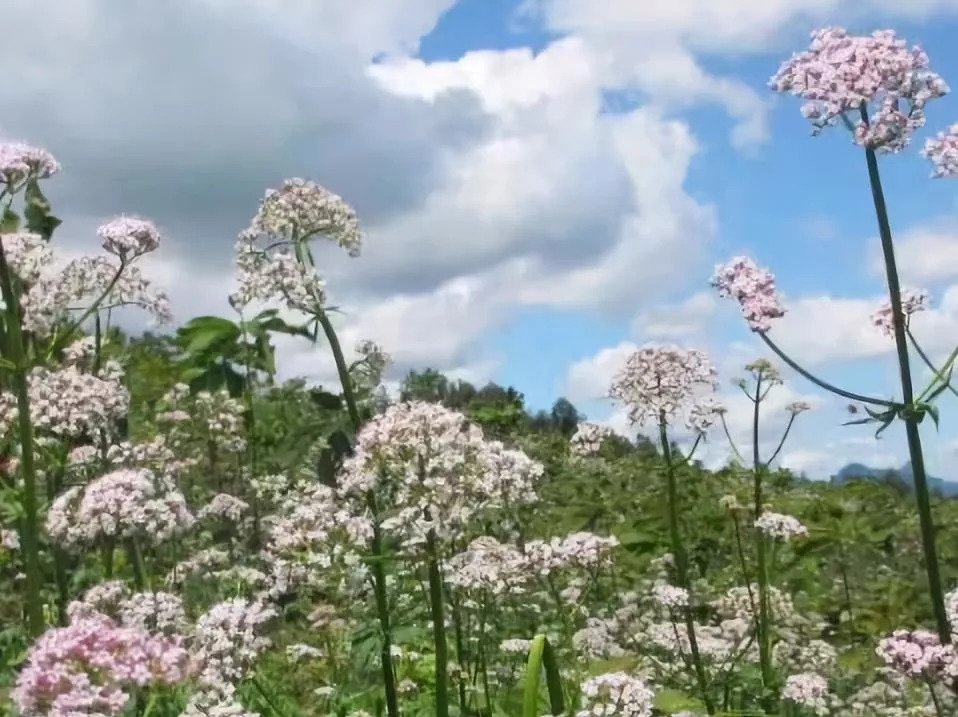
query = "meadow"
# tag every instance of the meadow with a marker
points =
(183, 534)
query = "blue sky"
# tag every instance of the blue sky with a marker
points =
(799, 204)
(542, 191)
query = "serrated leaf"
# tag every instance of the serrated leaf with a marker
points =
(37, 211)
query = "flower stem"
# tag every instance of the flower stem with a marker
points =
(438, 626)
(915, 453)
(764, 617)
(819, 382)
(681, 565)
(30, 538)
(378, 553)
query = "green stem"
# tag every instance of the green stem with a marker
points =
(939, 375)
(764, 618)
(781, 443)
(378, 552)
(438, 626)
(681, 564)
(819, 382)
(136, 561)
(30, 538)
(341, 367)
(926, 521)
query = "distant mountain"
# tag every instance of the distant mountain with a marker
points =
(858, 471)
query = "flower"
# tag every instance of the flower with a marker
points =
(808, 690)
(661, 382)
(779, 526)
(128, 236)
(588, 439)
(18, 161)
(753, 288)
(942, 152)
(912, 301)
(301, 209)
(615, 694)
(877, 76)
(92, 666)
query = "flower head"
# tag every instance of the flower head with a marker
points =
(780, 526)
(18, 161)
(942, 152)
(300, 210)
(753, 288)
(615, 694)
(659, 382)
(912, 301)
(127, 237)
(874, 83)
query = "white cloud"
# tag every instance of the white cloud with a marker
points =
(676, 321)
(589, 378)
(926, 255)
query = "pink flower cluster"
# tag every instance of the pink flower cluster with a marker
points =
(659, 382)
(912, 301)
(91, 666)
(301, 209)
(129, 237)
(919, 654)
(615, 694)
(753, 288)
(942, 152)
(840, 73)
(18, 161)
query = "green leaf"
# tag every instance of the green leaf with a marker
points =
(37, 211)
(203, 332)
(542, 656)
(326, 400)
(672, 701)
(10, 221)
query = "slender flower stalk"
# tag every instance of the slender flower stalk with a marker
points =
(764, 613)
(911, 417)
(30, 537)
(681, 564)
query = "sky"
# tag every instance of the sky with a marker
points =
(545, 185)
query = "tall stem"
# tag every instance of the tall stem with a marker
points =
(378, 553)
(30, 538)
(438, 626)
(915, 453)
(764, 620)
(682, 565)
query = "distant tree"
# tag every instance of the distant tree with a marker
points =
(565, 417)
(427, 385)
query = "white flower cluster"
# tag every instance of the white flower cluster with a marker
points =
(780, 527)
(432, 470)
(588, 439)
(121, 504)
(68, 403)
(228, 640)
(488, 565)
(672, 597)
(301, 210)
(577, 550)
(808, 690)
(615, 694)
(659, 383)
(224, 505)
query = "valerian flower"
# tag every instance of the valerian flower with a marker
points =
(753, 288)
(808, 690)
(588, 438)
(615, 694)
(662, 382)
(301, 209)
(840, 75)
(912, 301)
(19, 161)
(128, 237)
(942, 152)
(780, 526)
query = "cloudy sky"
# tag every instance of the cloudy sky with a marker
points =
(545, 184)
